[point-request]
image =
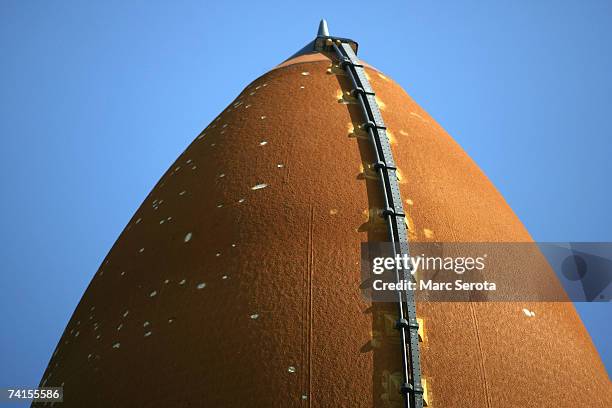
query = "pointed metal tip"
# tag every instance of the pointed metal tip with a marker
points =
(323, 30)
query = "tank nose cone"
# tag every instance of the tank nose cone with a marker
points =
(323, 30)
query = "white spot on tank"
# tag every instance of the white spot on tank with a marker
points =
(201, 285)
(529, 313)
(188, 237)
(263, 143)
(116, 345)
(291, 369)
(255, 316)
(152, 294)
(147, 334)
(259, 186)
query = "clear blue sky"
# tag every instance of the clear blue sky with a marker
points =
(98, 98)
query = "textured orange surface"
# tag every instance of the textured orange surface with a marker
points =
(236, 283)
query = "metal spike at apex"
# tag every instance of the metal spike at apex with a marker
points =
(323, 29)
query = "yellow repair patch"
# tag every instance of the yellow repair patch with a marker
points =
(334, 69)
(345, 97)
(399, 175)
(391, 137)
(412, 236)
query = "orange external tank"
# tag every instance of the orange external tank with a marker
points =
(237, 281)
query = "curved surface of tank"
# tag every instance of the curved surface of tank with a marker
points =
(236, 283)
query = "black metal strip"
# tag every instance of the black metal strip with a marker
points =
(407, 324)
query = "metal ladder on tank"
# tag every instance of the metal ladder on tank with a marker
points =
(407, 325)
